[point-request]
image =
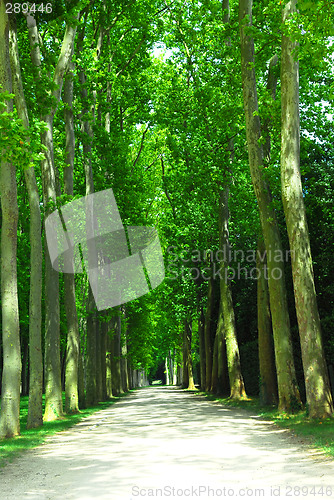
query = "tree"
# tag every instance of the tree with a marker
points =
(73, 338)
(35, 411)
(11, 377)
(208, 335)
(268, 380)
(289, 397)
(53, 393)
(318, 392)
(188, 379)
(232, 348)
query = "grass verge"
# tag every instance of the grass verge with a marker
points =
(316, 433)
(10, 448)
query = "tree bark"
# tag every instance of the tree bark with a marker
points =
(208, 336)
(223, 386)
(124, 367)
(214, 377)
(268, 376)
(109, 384)
(116, 356)
(73, 338)
(81, 380)
(11, 376)
(232, 348)
(25, 366)
(91, 356)
(52, 364)
(185, 373)
(318, 393)
(188, 378)
(289, 398)
(99, 396)
(103, 333)
(201, 323)
(268, 379)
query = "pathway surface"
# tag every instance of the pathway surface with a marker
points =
(161, 442)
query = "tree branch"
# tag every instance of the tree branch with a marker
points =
(165, 187)
(141, 147)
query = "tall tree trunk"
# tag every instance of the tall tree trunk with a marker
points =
(11, 376)
(208, 336)
(73, 338)
(81, 380)
(87, 129)
(103, 361)
(52, 364)
(98, 360)
(185, 373)
(53, 389)
(91, 356)
(214, 377)
(318, 393)
(25, 366)
(124, 366)
(35, 410)
(82, 347)
(268, 376)
(289, 397)
(227, 320)
(232, 348)
(188, 328)
(118, 352)
(188, 378)
(167, 371)
(222, 375)
(268, 380)
(116, 356)
(72, 348)
(201, 323)
(130, 370)
(109, 365)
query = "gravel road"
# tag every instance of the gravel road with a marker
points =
(161, 442)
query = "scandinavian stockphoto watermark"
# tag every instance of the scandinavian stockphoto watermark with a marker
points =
(197, 264)
(122, 263)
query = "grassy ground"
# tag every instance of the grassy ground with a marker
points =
(9, 448)
(317, 433)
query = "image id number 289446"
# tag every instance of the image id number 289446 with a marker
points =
(28, 8)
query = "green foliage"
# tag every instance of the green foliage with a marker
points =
(18, 145)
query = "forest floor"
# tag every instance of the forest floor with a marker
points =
(161, 442)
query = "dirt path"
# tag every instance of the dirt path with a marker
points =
(164, 443)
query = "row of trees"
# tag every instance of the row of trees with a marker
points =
(87, 103)
(218, 327)
(51, 115)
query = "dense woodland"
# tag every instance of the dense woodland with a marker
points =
(211, 121)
